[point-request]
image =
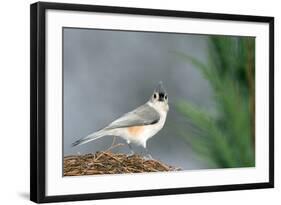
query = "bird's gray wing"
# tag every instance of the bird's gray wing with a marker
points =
(143, 115)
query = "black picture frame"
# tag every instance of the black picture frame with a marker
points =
(38, 100)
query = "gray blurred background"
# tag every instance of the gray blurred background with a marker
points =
(108, 73)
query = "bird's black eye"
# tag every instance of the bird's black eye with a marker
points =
(154, 96)
(166, 97)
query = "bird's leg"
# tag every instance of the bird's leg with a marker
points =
(131, 149)
(147, 155)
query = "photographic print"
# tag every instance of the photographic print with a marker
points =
(149, 102)
(129, 102)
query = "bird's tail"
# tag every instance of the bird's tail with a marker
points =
(91, 137)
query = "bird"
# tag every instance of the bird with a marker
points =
(138, 125)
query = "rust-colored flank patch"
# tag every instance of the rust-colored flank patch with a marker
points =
(136, 130)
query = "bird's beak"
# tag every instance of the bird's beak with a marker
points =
(161, 97)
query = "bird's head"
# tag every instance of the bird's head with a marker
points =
(160, 96)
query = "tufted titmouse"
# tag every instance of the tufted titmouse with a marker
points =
(138, 125)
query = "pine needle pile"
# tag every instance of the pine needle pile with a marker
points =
(107, 162)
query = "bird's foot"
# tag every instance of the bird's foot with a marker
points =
(148, 157)
(131, 153)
